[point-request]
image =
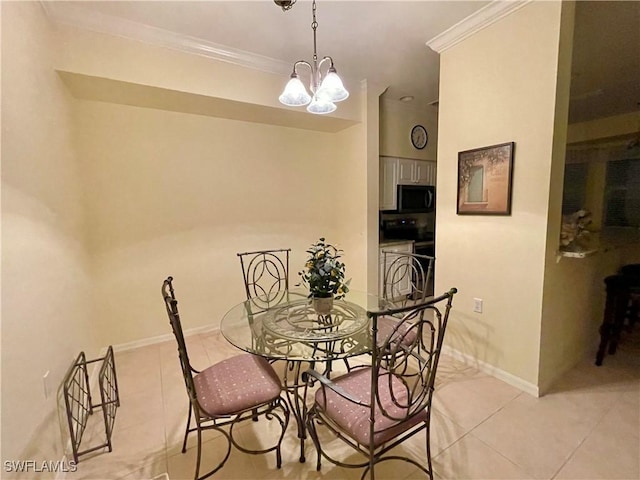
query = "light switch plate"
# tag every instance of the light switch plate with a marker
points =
(477, 305)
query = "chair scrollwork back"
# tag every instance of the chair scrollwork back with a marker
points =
(266, 275)
(406, 277)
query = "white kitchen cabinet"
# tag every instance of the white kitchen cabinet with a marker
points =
(416, 172)
(388, 183)
(425, 173)
(432, 172)
(402, 171)
(402, 247)
(406, 171)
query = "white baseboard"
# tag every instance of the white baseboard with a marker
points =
(494, 371)
(144, 342)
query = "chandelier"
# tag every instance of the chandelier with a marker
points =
(325, 89)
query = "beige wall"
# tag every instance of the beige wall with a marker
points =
(509, 95)
(594, 195)
(177, 194)
(603, 128)
(565, 323)
(46, 288)
(396, 121)
(371, 107)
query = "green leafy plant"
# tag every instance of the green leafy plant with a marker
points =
(324, 272)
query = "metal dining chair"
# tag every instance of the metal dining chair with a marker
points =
(375, 408)
(218, 400)
(406, 280)
(266, 281)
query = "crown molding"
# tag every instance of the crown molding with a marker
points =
(484, 17)
(67, 13)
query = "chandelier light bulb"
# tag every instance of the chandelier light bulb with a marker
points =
(321, 107)
(294, 94)
(331, 88)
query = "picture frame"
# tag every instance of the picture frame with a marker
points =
(485, 177)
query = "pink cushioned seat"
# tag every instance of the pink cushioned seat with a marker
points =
(236, 384)
(386, 327)
(354, 419)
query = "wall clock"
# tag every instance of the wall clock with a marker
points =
(419, 137)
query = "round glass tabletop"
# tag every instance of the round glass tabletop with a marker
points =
(287, 326)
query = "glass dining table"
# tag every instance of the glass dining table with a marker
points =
(285, 326)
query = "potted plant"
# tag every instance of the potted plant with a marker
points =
(574, 235)
(324, 276)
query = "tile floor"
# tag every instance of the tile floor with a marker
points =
(482, 428)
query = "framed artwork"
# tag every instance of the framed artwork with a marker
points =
(484, 180)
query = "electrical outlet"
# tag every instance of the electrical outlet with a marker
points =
(45, 382)
(477, 305)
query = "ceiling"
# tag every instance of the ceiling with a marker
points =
(606, 60)
(385, 41)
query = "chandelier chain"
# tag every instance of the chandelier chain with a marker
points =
(314, 26)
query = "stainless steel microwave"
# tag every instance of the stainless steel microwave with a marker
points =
(416, 198)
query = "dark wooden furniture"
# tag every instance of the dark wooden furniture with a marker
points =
(623, 296)
(633, 314)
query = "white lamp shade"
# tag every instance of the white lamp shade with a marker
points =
(331, 89)
(320, 106)
(294, 94)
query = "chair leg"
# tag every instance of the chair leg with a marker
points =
(279, 455)
(606, 329)
(634, 311)
(346, 363)
(605, 334)
(186, 433)
(429, 464)
(620, 313)
(311, 428)
(199, 455)
(372, 473)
